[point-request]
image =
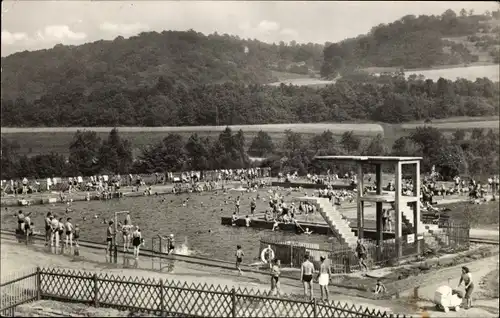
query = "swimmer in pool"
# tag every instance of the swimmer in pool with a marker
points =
(234, 219)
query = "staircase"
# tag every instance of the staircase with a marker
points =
(432, 239)
(334, 220)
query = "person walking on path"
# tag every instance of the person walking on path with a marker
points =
(239, 258)
(362, 254)
(275, 276)
(306, 276)
(466, 278)
(324, 278)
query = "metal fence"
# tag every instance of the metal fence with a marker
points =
(165, 297)
(343, 259)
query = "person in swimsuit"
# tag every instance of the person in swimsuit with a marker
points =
(126, 236)
(136, 241)
(54, 236)
(306, 275)
(171, 244)
(27, 223)
(253, 205)
(237, 205)
(20, 221)
(276, 225)
(324, 278)
(234, 218)
(61, 232)
(69, 233)
(48, 220)
(379, 287)
(362, 254)
(109, 236)
(275, 276)
(127, 219)
(76, 237)
(239, 257)
(466, 278)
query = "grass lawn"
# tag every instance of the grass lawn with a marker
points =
(484, 216)
(489, 284)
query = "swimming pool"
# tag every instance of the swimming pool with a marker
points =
(165, 215)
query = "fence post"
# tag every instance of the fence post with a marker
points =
(162, 303)
(315, 309)
(96, 290)
(38, 284)
(233, 302)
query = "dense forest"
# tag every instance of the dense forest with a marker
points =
(467, 154)
(417, 42)
(386, 98)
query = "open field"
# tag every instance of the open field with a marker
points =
(304, 82)
(458, 119)
(42, 140)
(57, 139)
(450, 72)
(486, 124)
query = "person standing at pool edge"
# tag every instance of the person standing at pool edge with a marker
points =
(324, 278)
(239, 257)
(171, 244)
(306, 276)
(275, 276)
(136, 241)
(109, 237)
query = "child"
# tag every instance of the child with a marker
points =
(239, 258)
(234, 219)
(76, 236)
(379, 287)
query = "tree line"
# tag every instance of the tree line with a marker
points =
(385, 98)
(472, 153)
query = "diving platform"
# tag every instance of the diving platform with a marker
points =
(406, 207)
(388, 197)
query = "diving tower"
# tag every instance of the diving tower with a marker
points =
(405, 206)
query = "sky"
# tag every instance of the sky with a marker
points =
(34, 25)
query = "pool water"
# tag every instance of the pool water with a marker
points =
(196, 226)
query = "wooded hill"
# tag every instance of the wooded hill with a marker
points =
(419, 42)
(187, 58)
(178, 78)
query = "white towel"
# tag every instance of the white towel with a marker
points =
(323, 280)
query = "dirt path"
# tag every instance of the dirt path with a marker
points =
(16, 257)
(483, 306)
